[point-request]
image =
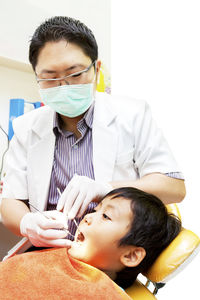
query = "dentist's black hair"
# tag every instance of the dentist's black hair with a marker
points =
(152, 228)
(63, 28)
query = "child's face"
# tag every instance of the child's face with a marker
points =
(97, 237)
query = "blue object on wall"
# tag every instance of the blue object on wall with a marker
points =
(16, 110)
(37, 104)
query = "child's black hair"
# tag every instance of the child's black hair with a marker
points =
(152, 228)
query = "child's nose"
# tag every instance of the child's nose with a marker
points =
(88, 219)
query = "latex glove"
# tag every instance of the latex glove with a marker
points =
(80, 191)
(46, 229)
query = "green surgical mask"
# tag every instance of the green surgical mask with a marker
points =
(69, 100)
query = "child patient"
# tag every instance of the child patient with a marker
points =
(121, 238)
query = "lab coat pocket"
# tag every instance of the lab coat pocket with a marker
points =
(125, 167)
(124, 158)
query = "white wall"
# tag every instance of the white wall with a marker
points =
(15, 84)
(156, 57)
(19, 19)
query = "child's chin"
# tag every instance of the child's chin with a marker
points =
(75, 249)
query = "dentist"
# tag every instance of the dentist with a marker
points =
(81, 144)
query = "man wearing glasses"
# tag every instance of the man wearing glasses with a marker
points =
(65, 156)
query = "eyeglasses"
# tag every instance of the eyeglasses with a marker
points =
(75, 78)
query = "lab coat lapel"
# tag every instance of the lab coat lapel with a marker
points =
(41, 161)
(104, 139)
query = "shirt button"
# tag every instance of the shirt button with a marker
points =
(75, 147)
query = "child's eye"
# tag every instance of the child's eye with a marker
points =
(106, 217)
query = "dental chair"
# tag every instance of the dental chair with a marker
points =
(170, 262)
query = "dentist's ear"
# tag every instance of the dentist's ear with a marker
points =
(98, 67)
(133, 256)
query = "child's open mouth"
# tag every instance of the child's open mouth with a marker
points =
(80, 237)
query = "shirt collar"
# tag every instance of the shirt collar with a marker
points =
(87, 119)
(88, 116)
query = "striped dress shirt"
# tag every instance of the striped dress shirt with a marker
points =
(71, 156)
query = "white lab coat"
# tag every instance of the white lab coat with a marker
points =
(126, 145)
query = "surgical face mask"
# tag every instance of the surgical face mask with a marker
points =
(69, 100)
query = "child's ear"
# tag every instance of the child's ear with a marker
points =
(133, 256)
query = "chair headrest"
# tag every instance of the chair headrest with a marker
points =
(175, 257)
(173, 209)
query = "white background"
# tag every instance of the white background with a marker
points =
(156, 57)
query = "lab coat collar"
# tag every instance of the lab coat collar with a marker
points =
(42, 153)
(105, 138)
(104, 114)
(44, 124)
(104, 111)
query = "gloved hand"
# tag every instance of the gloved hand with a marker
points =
(46, 229)
(80, 191)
